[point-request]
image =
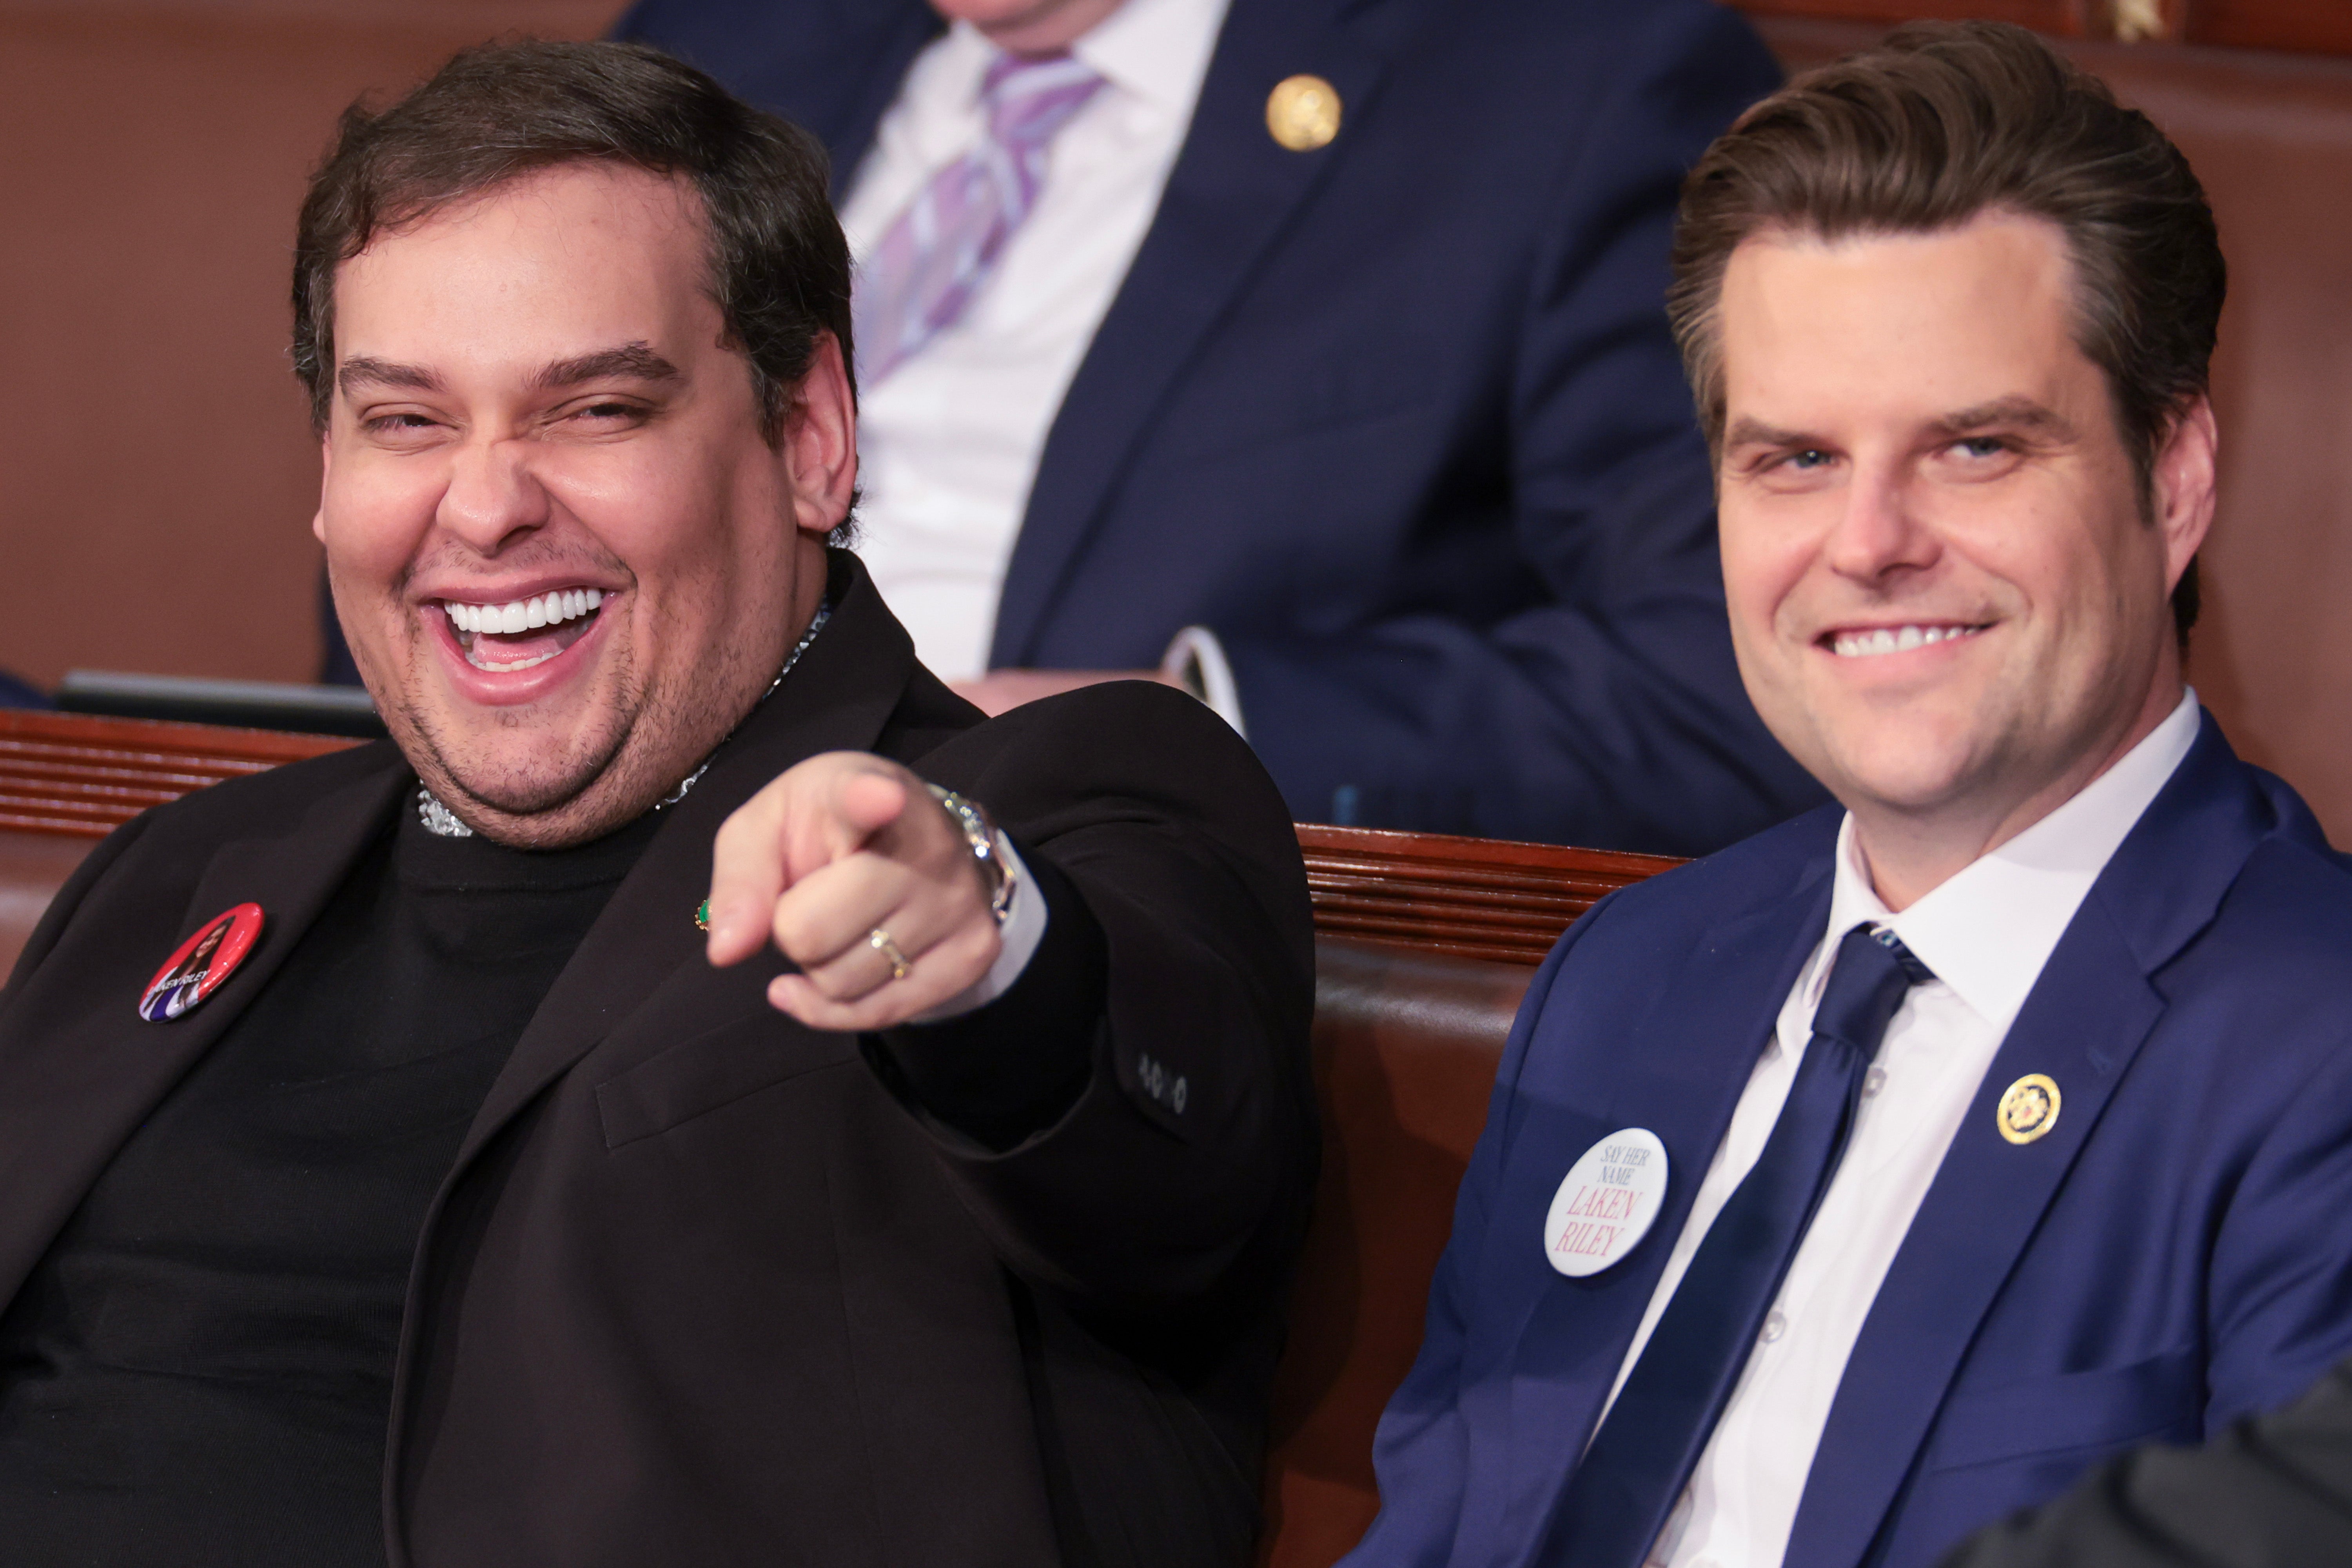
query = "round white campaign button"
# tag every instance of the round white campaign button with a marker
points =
(1606, 1203)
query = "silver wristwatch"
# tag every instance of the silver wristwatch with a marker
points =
(980, 835)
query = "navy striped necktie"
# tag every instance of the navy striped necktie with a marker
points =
(1637, 1467)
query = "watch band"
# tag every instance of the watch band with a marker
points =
(980, 835)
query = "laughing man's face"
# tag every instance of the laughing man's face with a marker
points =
(565, 555)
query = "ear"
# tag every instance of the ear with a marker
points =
(2182, 485)
(818, 442)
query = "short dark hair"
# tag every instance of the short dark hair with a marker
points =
(1940, 122)
(779, 266)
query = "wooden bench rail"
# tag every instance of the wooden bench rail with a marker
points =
(73, 774)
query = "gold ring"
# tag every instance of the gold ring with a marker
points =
(879, 941)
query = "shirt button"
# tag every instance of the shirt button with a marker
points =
(1872, 1081)
(1775, 1323)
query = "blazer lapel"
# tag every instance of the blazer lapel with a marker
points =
(1683, 1071)
(848, 107)
(84, 1072)
(2083, 1022)
(1230, 195)
(838, 697)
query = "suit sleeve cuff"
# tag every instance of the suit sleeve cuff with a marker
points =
(1012, 1066)
(1196, 661)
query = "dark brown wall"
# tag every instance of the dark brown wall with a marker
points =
(2322, 26)
(156, 475)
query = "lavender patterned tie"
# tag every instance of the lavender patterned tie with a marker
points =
(922, 278)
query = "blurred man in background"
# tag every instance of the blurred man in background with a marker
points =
(1308, 353)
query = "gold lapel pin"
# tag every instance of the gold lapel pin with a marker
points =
(702, 915)
(1303, 112)
(2029, 1107)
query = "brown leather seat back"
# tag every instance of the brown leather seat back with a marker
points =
(1405, 1047)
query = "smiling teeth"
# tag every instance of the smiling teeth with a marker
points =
(1894, 640)
(523, 615)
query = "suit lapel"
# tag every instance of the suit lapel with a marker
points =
(1683, 1071)
(848, 121)
(1230, 195)
(83, 1073)
(838, 697)
(2082, 1025)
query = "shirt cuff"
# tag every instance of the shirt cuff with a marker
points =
(1024, 928)
(1196, 661)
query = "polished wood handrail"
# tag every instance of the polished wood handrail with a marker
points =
(80, 775)
(1469, 898)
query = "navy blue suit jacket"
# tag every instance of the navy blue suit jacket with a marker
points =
(2171, 1255)
(1399, 419)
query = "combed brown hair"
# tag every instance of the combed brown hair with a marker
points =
(779, 266)
(1940, 122)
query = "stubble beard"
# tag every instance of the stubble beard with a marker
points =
(613, 775)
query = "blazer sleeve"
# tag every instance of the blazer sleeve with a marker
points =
(2272, 1492)
(1610, 711)
(1178, 1169)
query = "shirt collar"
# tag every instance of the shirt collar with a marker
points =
(1157, 49)
(1988, 929)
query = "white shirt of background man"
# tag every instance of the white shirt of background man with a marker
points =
(1986, 933)
(949, 442)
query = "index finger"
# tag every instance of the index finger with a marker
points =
(748, 875)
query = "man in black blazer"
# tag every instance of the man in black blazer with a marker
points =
(2275, 1491)
(448, 1197)
(1384, 403)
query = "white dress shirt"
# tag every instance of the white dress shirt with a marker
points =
(949, 443)
(1986, 933)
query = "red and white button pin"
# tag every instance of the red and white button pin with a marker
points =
(202, 963)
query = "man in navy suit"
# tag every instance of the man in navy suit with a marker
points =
(1851, 1188)
(1319, 363)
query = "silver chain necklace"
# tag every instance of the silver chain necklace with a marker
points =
(442, 823)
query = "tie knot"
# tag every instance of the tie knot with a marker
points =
(1870, 975)
(1029, 96)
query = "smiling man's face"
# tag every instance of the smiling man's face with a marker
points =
(565, 555)
(1946, 600)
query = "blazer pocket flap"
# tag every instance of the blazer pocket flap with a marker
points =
(2163, 1396)
(710, 1070)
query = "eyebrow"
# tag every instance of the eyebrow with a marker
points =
(1746, 432)
(2014, 413)
(2011, 412)
(362, 371)
(632, 362)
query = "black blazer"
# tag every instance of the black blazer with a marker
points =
(2272, 1492)
(1398, 418)
(707, 1287)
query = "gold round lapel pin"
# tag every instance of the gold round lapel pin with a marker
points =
(2028, 1110)
(1303, 112)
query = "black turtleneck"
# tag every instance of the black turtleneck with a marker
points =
(199, 1371)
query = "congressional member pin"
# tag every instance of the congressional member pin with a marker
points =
(1303, 112)
(2027, 1108)
(1606, 1203)
(202, 963)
